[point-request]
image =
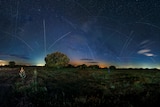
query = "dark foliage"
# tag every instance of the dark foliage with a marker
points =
(83, 66)
(12, 64)
(93, 66)
(56, 60)
(112, 68)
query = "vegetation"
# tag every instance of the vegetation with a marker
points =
(12, 64)
(56, 60)
(112, 67)
(93, 67)
(72, 87)
(83, 66)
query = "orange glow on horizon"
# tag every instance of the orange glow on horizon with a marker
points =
(79, 62)
(3, 63)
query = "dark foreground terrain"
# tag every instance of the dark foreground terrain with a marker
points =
(73, 87)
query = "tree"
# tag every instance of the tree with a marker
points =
(83, 66)
(93, 66)
(112, 68)
(56, 60)
(70, 66)
(12, 64)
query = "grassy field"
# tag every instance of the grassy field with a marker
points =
(73, 87)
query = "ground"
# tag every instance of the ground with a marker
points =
(74, 87)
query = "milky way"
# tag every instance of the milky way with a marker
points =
(107, 32)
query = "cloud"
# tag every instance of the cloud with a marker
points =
(146, 52)
(143, 51)
(86, 59)
(93, 62)
(20, 56)
(149, 54)
(8, 56)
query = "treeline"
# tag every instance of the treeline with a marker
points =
(12, 64)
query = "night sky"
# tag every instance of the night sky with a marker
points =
(124, 33)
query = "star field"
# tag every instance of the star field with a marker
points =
(124, 33)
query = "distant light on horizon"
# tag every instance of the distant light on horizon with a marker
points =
(40, 64)
(3, 63)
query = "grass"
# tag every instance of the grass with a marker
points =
(73, 87)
